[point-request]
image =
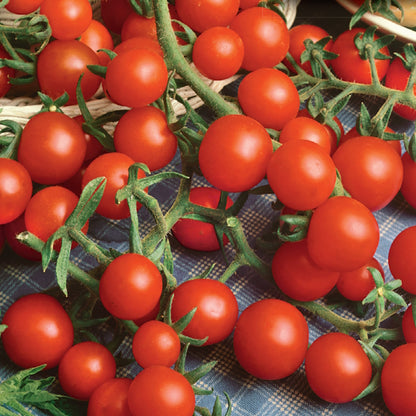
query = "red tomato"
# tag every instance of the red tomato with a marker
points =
(357, 284)
(265, 37)
(349, 66)
(144, 135)
(408, 188)
(371, 170)
(398, 380)
(68, 19)
(110, 398)
(270, 339)
(216, 313)
(337, 368)
(39, 331)
(114, 167)
(343, 234)
(408, 325)
(2, 238)
(136, 77)
(15, 189)
(139, 42)
(84, 367)
(269, 96)
(245, 4)
(114, 13)
(156, 343)
(201, 15)
(234, 153)
(159, 390)
(5, 73)
(301, 174)
(220, 45)
(59, 66)
(52, 147)
(297, 276)
(23, 6)
(130, 286)
(199, 235)
(138, 25)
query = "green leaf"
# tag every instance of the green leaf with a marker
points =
(62, 263)
(395, 298)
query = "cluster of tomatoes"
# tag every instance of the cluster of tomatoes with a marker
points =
(335, 180)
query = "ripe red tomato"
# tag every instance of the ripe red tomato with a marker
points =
(408, 188)
(349, 66)
(371, 170)
(234, 153)
(265, 37)
(343, 234)
(5, 73)
(138, 25)
(23, 6)
(39, 331)
(110, 398)
(130, 286)
(59, 66)
(52, 147)
(245, 4)
(398, 380)
(160, 390)
(67, 18)
(201, 15)
(199, 235)
(114, 167)
(136, 77)
(156, 343)
(15, 189)
(216, 313)
(114, 13)
(270, 339)
(143, 134)
(337, 368)
(84, 367)
(139, 42)
(301, 174)
(269, 96)
(408, 325)
(220, 45)
(297, 276)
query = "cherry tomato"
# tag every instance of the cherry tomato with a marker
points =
(144, 135)
(23, 6)
(216, 313)
(15, 189)
(160, 390)
(245, 4)
(270, 339)
(301, 174)
(269, 96)
(199, 235)
(398, 380)
(39, 331)
(138, 25)
(408, 188)
(59, 66)
(110, 398)
(265, 37)
(408, 325)
(337, 368)
(114, 13)
(156, 343)
(84, 367)
(5, 73)
(136, 77)
(297, 276)
(234, 153)
(139, 42)
(343, 234)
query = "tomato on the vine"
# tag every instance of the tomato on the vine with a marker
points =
(23, 6)
(408, 188)
(408, 325)
(114, 13)
(6, 73)
(137, 25)
(139, 42)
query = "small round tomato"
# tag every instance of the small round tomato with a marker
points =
(23, 6)
(97, 36)
(156, 343)
(234, 153)
(68, 19)
(15, 189)
(343, 234)
(408, 188)
(138, 25)
(199, 235)
(245, 4)
(139, 42)
(144, 135)
(269, 96)
(297, 276)
(160, 390)
(216, 313)
(408, 325)
(136, 77)
(130, 286)
(337, 368)
(39, 331)
(398, 380)
(84, 367)
(5, 74)
(114, 13)
(265, 37)
(301, 174)
(220, 45)
(270, 339)
(110, 398)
